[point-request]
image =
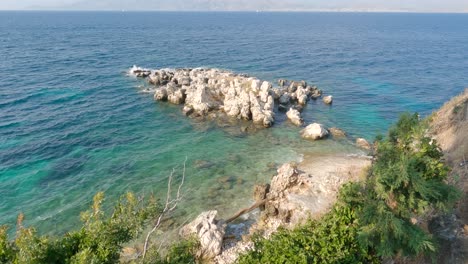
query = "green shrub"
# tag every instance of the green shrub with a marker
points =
(99, 240)
(407, 180)
(182, 252)
(377, 218)
(328, 240)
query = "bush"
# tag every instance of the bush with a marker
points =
(379, 217)
(332, 239)
(99, 240)
(407, 181)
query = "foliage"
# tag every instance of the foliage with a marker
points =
(328, 240)
(99, 240)
(407, 181)
(376, 218)
(183, 252)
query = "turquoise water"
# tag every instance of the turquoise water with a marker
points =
(72, 123)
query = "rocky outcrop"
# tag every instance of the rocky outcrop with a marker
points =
(209, 233)
(314, 131)
(286, 177)
(295, 117)
(204, 91)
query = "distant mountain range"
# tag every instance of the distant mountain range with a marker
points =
(265, 5)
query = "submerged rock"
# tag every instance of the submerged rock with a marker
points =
(139, 72)
(337, 132)
(314, 131)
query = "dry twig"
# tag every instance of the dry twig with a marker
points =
(169, 206)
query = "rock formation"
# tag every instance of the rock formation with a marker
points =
(314, 131)
(204, 91)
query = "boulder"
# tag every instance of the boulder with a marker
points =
(314, 131)
(160, 94)
(178, 97)
(362, 143)
(328, 99)
(337, 133)
(316, 93)
(154, 79)
(284, 99)
(295, 117)
(209, 232)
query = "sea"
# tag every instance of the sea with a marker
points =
(73, 123)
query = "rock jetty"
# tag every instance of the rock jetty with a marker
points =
(206, 92)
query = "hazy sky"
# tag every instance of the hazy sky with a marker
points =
(369, 5)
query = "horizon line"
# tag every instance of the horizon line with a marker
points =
(234, 11)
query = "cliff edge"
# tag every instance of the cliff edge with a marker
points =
(449, 126)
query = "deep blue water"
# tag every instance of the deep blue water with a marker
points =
(72, 123)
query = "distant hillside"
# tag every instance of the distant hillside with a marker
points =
(241, 5)
(184, 5)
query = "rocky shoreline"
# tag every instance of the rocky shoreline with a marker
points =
(297, 192)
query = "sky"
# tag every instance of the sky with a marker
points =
(242, 5)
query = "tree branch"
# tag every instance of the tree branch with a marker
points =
(169, 206)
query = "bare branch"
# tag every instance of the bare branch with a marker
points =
(169, 206)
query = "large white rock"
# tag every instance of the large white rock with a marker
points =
(314, 131)
(295, 117)
(209, 232)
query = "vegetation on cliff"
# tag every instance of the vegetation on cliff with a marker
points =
(99, 240)
(377, 218)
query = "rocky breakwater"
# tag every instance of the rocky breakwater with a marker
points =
(215, 93)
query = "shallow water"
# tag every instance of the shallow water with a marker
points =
(72, 123)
